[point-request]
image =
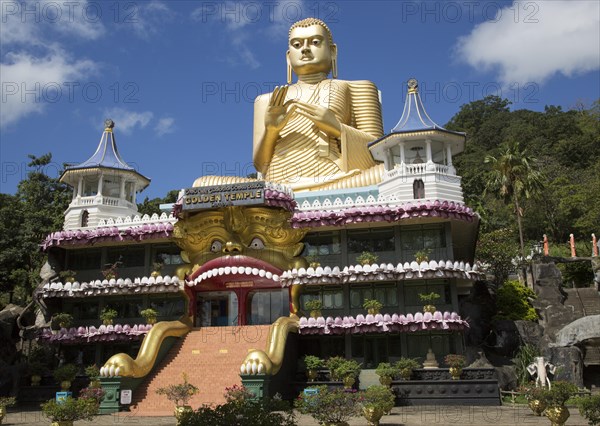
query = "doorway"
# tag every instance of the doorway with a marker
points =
(216, 309)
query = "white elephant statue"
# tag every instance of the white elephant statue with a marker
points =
(538, 366)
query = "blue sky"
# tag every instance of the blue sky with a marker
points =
(179, 77)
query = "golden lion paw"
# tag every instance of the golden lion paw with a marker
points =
(256, 362)
(118, 365)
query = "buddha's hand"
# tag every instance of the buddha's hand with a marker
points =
(277, 114)
(323, 117)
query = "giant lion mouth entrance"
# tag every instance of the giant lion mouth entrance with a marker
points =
(236, 290)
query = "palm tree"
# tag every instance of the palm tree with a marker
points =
(514, 175)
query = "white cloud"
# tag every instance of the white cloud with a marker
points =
(35, 65)
(165, 125)
(126, 121)
(244, 22)
(148, 18)
(29, 83)
(545, 38)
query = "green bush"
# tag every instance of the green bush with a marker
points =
(239, 413)
(329, 406)
(70, 409)
(589, 407)
(524, 356)
(378, 397)
(496, 249)
(66, 372)
(512, 303)
(559, 393)
(332, 364)
(385, 369)
(313, 362)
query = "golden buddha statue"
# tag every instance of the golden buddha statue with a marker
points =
(314, 134)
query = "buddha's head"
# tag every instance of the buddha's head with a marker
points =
(311, 48)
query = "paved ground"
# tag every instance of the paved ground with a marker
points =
(405, 416)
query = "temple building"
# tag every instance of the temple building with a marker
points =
(231, 266)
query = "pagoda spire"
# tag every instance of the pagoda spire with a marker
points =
(414, 116)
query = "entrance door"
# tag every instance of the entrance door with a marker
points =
(215, 309)
(376, 351)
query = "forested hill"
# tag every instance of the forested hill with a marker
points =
(565, 145)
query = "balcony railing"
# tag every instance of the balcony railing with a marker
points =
(102, 199)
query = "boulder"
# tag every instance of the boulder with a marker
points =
(568, 363)
(530, 332)
(586, 328)
(478, 308)
(507, 377)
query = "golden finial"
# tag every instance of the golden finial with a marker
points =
(108, 125)
(413, 85)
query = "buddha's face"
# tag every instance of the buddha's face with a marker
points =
(309, 50)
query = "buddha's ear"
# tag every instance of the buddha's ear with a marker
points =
(289, 67)
(334, 70)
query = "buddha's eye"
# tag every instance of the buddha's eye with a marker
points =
(257, 244)
(216, 246)
(296, 45)
(316, 42)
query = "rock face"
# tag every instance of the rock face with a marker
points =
(577, 332)
(568, 362)
(530, 332)
(478, 307)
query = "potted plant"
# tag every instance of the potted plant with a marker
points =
(376, 401)
(36, 369)
(332, 364)
(456, 364)
(107, 315)
(533, 395)
(386, 372)
(312, 364)
(372, 306)
(314, 306)
(150, 315)
(429, 300)
(67, 275)
(367, 258)
(348, 371)
(5, 402)
(64, 375)
(110, 273)
(64, 413)
(180, 394)
(406, 366)
(94, 393)
(93, 373)
(156, 269)
(555, 398)
(589, 408)
(329, 406)
(61, 320)
(422, 255)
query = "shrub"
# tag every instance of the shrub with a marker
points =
(512, 303)
(66, 372)
(95, 394)
(181, 393)
(367, 258)
(404, 363)
(429, 297)
(329, 406)
(495, 250)
(559, 393)
(92, 371)
(244, 413)
(524, 356)
(347, 368)
(332, 364)
(7, 401)
(378, 397)
(238, 394)
(455, 361)
(313, 362)
(372, 304)
(385, 369)
(70, 409)
(149, 314)
(61, 320)
(314, 305)
(589, 407)
(108, 314)
(422, 255)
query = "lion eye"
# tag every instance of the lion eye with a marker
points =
(216, 246)
(257, 244)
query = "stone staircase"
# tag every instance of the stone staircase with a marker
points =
(211, 358)
(584, 301)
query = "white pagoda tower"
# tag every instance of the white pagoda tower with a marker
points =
(417, 155)
(104, 186)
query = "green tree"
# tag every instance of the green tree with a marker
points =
(26, 218)
(514, 175)
(151, 206)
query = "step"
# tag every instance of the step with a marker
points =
(211, 359)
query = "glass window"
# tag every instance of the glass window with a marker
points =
(168, 255)
(371, 240)
(412, 291)
(128, 308)
(333, 299)
(90, 186)
(169, 307)
(322, 244)
(128, 256)
(86, 259)
(358, 296)
(386, 294)
(111, 187)
(85, 310)
(267, 306)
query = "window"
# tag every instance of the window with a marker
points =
(412, 290)
(169, 307)
(128, 308)
(386, 294)
(267, 306)
(84, 218)
(129, 257)
(86, 259)
(332, 298)
(414, 238)
(325, 247)
(375, 240)
(418, 189)
(168, 255)
(90, 186)
(111, 187)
